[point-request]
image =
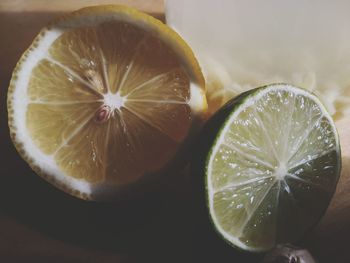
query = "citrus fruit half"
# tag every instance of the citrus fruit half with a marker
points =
(102, 97)
(271, 166)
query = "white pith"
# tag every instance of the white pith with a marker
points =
(114, 101)
(46, 163)
(280, 172)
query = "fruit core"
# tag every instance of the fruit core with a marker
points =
(112, 103)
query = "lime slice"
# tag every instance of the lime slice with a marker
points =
(271, 167)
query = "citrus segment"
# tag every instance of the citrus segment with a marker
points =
(47, 76)
(141, 144)
(50, 135)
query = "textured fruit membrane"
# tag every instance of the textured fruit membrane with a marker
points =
(275, 169)
(109, 103)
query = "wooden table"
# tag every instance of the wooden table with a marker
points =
(41, 224)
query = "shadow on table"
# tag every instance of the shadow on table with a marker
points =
(160, 226)
(329, 240)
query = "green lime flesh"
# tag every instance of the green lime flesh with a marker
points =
(271, 164)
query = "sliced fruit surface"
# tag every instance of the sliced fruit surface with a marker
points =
(102, 97)
(272, 168)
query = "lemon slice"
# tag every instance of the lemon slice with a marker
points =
(104, 96)
(271, 165)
